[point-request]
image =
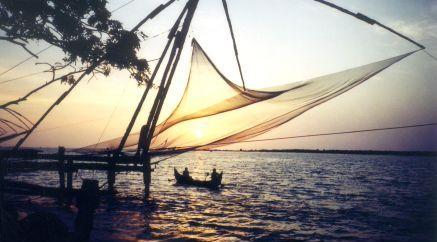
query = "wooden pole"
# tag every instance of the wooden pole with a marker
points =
(168, 74)
(145, 158)
(171, 36)
(69, 179)
(152, 113)
(3, 159)
(152, 78)
(87, 71)
(87, 201)
(231, 29)
(167, 77)
(147, 174)
(111, 174)
(142, 147)
(61, 161)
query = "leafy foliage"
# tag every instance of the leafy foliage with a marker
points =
(83, 29)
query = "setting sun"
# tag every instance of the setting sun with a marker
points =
(198, 132)
(190, 120)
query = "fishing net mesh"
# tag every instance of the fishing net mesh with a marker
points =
(215, 111)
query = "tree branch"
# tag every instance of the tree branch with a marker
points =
(2, 106)
(23, 45)
(18, 117)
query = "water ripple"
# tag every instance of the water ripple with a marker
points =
(274, 196)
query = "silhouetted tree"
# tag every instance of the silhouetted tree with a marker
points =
(83, 29)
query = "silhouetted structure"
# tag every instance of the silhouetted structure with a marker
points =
(87, 202)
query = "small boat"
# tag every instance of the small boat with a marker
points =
(181, 180)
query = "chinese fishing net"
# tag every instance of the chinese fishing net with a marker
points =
(214, 111)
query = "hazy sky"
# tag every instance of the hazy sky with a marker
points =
(279, 41)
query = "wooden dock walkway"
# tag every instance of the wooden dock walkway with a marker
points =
(65, 165)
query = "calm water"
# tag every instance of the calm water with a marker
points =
(273, 196)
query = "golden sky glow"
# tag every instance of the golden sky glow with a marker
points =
(279, 42)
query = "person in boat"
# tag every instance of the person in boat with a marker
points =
(186, 173)
(214, 175)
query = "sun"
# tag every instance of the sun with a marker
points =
(198, 133)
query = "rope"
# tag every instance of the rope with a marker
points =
(159, 34)
(190, 148)
(430, 55)
(21, 77)
(297, 136)
(43, 50)
(228, 18)
(19, 117)
(48, 129)
(66, 125)
(149, 84)
(110, 116)
(334, 133)
(5, 121)
(370, 21)
(156, 59)
(158, 161)
(25, 60)
(305, 136)
(7, 124)
(32, 74)
(19, 114)
(122, 6)
(88, 70)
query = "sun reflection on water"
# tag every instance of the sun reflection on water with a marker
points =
(272, 196)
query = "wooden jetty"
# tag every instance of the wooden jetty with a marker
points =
(65, 164)
(116, 162)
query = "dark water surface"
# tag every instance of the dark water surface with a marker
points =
(273, 196)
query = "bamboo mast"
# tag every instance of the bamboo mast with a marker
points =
(66, 93)
(370, 21)
(170, 37)
(147, 130)
(87, 71)
(164, 87)
(231, 29)
(116, 155)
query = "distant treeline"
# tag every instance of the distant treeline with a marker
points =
(354, 152)
(31, 151)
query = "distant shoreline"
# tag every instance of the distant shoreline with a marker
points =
(317, 151)
(352, 152)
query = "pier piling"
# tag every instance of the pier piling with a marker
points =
(69, 178)
(111, 174)
(61, 171)
(65, 164)
(87, 202)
